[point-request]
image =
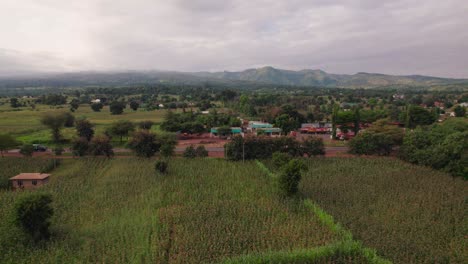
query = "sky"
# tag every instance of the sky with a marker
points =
(428, 37)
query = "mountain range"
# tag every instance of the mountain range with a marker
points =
(249, 77)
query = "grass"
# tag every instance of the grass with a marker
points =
(202, 211)
(409, 214)
(24, 123)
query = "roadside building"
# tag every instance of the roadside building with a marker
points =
(214, 132)
(29, 180)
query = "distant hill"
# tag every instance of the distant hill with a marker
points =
(244, 79)
(321, 78)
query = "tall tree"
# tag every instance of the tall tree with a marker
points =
(55, 122)
(121, 128)
(7, 142)
(84, 128)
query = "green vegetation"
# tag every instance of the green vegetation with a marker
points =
(407, 213)
(113, 211)
(32, 214)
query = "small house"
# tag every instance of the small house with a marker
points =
(29, 180)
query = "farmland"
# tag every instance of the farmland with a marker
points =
(204, 210)
(409, 214)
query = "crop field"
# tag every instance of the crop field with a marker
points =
(24, 123)
(202, 211)
(409, 214)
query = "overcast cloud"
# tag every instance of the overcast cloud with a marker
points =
(398, 37)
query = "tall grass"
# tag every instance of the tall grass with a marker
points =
(409, 214)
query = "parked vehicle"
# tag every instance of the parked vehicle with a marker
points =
(39, 148)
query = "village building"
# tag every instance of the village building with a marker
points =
(263, 128)
(29, 180)
(316, 128)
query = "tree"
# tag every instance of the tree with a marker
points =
(97, 107)
(201, 151)
(459, 111)
(357, 120)
(27, 150)
(134, 105)
(80, 146)
(286, 123)
(100, 145)
(117, 108)
(168, 142)
(84, 128)
(121, 128)
(368, 143)
(190, 152)
(74, 104)
(32, 214)
(290, 177)
(55, 122)
(69, 119)
(146, 124)
(7, 142)
(418, 116)
(14, 102)
(144, 143)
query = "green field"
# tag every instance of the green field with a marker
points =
(24, 123)
(408, 213)
(212, 210)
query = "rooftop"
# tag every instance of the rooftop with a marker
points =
(30, 176)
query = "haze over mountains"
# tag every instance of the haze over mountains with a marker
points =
(264, 75)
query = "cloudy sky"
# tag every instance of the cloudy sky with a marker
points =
(339, 36)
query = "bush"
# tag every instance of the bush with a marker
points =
(144, 143)
(161, 166)
(32, 214)
(261, 147)
(97, 107)
(280, 159)
(27, 150)
(190, 152)
(367, 143)
(313, 146)
(290, 177)
(101, 145)
(84, 128)
(201, 151)
(69, 119)
(80, 146)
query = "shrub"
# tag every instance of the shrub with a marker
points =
(144, 143)
(32, 214)
(280, 159)
(201, 151)
(101, 145)
(190, 152)
(161, 166)
(290, 177)
(313, 146)
(80, 146)
(27, 150)
(261, 147)
(367, 143)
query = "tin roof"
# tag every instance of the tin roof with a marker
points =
(30, 176)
